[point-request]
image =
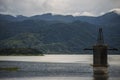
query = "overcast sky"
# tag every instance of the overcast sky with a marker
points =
(74, 7)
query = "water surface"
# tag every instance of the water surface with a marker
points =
(56, 67)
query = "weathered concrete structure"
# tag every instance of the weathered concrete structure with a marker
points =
(100, 51)
(100, 59)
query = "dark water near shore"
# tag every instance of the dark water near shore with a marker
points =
(56, 67)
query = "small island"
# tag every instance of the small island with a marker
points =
(20, 52)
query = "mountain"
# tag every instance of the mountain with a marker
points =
(50, 17)
(11, 18)
(46, 36)
(7, 17)
(57, 33)
(110, 17)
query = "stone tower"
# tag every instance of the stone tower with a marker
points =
(100, 51)
(100, 62)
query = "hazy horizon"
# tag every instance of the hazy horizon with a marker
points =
(63, 7)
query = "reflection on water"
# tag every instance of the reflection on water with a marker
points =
(100, 77)
(100, 73)
(59, 67)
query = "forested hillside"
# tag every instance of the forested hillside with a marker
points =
(58, 34)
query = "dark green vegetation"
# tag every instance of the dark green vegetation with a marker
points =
(20, 51)
(58, 34)
(9, 69)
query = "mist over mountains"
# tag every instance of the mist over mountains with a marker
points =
(57, 33)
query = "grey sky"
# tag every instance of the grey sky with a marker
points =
(74, 7)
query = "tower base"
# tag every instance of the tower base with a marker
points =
(100, 70)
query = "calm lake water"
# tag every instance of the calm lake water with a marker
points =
(57, 67)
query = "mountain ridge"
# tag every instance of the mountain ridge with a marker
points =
(64, 18)
(58, 34)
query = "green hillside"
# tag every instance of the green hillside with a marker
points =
(54, 36)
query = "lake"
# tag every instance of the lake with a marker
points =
(57, 67)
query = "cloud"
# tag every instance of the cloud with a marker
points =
(24, 7)
(75, 7)
(83, 14)
(116, 10)
(87, 14)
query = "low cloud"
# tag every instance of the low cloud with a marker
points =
(75, 7)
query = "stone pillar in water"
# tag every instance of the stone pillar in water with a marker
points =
(100, 60)
(100, 52)
(100, 55)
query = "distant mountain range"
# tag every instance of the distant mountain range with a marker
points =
(57, 33)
